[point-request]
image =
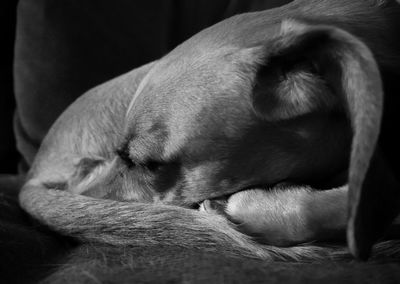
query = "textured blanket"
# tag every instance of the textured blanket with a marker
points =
(30, 253)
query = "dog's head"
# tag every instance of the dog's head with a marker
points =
(227, 111)
(211, 119)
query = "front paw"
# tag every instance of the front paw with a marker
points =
(274, 217)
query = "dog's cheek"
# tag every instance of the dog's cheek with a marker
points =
(113, 180)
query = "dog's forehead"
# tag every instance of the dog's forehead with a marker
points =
(215, 62)
(195, 93)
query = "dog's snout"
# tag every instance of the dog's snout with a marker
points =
(123, 154)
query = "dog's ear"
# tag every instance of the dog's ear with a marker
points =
(310, 67)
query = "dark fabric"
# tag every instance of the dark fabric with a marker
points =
(30, 253)
(25, 248)
(176, 265)
(8, 153)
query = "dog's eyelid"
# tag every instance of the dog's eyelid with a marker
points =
(123, 154)
(153, 165)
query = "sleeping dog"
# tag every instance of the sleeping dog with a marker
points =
(267, 122)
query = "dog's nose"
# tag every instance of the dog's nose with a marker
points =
(123, 154)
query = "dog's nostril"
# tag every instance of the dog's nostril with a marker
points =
(124, 156)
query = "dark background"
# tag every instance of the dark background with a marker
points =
(8, 152)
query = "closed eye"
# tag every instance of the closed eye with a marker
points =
(123, 154)
(153, 165)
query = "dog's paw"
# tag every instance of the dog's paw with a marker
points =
(275, 217)
(278, 216)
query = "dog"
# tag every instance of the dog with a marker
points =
(268, 122)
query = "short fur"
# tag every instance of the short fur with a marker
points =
(257, 99)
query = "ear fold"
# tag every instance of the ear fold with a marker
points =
(336, 69)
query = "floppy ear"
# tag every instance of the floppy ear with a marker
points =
(316, 66)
